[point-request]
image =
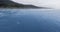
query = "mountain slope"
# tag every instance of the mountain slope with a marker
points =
(11, 4)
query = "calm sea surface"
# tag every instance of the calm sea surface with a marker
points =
(29, 20)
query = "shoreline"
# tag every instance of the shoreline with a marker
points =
(24, 8)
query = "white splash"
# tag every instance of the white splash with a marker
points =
(41, 3)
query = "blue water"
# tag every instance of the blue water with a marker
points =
(29, 20)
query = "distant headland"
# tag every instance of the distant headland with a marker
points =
(11, 4)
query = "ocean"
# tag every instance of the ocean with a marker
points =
(29, 20)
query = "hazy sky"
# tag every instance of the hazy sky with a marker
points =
(43, 3)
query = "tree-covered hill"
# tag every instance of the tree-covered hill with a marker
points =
(11, 4)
